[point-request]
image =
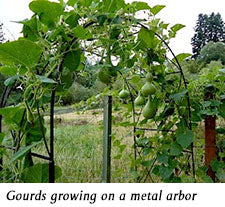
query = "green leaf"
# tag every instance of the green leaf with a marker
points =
(72, 19)
(215, 164)
(178, 96)
(22, 152)
(7, 70)
(43, 79)
(72, 60)
(140, 5)
(12, 114)
(185, 138)
(31, 28)
(177, 27)
(221, 174)
(173, 30)
(148, 163)
(72, 2)
(162, 158)
(48, 12)
(175, 149)
(147, 38)
(165, 172)
(39, 173)
(22, 52)
(10, 81)
(110, 6)
(81, 33)
(220, 130)
(181, 57)
(156, 9)
(2, 135)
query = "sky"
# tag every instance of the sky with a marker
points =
(176, 11)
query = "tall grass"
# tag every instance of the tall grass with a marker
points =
(78, 152)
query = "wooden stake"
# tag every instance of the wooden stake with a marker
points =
(210, 139)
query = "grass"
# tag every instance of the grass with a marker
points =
(78, 152)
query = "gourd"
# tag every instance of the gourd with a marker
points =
(149, 109)
(124, 94)
(140, 100)
(148, 88)
(104, 75)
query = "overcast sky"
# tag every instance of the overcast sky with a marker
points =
(176, 11)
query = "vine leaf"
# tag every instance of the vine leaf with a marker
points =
(72, 19)
(165, 172)
(177, 27)
(39, 173)
(185, 138)
(81, 33)
(162, 158)
(8, 70)
(22, 152)
(2, 135)
(147, 38)
(175, 149)
(156, 9)
(48, 12)
(12, 115)
(22, 52)
(10, 81)
(174, 29)
(178, 96)
(181, 57)
(140, 5)
(72, 60)
(112, 5)
(43, 79)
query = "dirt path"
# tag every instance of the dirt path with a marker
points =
(73, 118)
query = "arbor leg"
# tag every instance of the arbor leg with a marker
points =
(107, 133)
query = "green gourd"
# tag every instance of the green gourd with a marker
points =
(140, 100)
(104, 75)
(124, 94)
(149, 77)
(149, 109)
(148, 89)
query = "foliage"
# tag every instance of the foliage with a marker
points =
(61, 39)
(78, 92)
(213, 52)
(208, 28)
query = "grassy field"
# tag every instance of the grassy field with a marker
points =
(78, 149)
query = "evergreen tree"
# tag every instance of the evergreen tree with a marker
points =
(2, 78)
(208, 28)
(1, 34)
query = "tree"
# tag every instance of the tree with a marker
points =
(1, 34)
(208, 28)
(1, 41)
(213, 52)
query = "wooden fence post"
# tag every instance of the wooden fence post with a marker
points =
(107, 132)
(1, 160)
(210, 138)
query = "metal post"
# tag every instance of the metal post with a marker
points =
(51, 162)
(210, 138)
(107, 132)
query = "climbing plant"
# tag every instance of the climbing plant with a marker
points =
(58, 41)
